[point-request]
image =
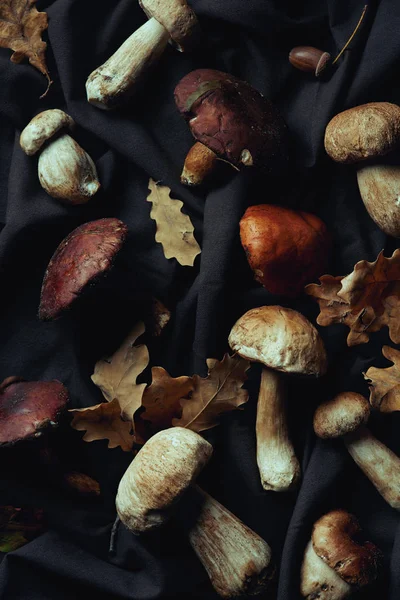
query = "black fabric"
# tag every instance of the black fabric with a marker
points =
(251, 40)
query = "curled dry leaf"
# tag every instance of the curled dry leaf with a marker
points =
(221, 391)
(18, 526)
(161, 316)
(174, 229)
(365, 300)
(103, 422)
(384, 384)
(21, 27)
(116, 376)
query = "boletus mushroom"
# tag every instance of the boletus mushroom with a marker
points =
(117, 79)
(361, 135)
(159, 482)
(283, 341)
(81, 258)
(345, 416)
(232, 122)
(336, 563)
(285, 248)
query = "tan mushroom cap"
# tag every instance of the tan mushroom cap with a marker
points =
(343, 414)
(363, 132)
(42, 127)
(279, 338)
(178, 19)
(333, 541)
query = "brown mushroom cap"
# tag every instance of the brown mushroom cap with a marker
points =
(85, 254)
(233, 119)
(280, 338)
(178, 19)
(343, 414)
(363, 132)
(28, 407)
(332, 538)
(43, 127)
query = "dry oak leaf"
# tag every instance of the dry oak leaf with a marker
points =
(221, 391)
(365, 300)
(21, 27)
(116, 376)
(103, 422)
(174, 229)
(384, 384)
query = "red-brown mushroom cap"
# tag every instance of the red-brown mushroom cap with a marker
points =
(84, 255)
(28, 407)
(233, 119)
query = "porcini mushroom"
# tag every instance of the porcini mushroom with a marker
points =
(345, 416)
(65, 170)
(285, 248)
(335, 562)
(85, 254)
(282, 340)
(232, 122)
(362, 135)
(157, 482)
(114, 81)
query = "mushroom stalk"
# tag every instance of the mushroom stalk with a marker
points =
(277, 462)
(379, 463)
(120, 74)
(237, 560)
(200, 162)
(318, 580)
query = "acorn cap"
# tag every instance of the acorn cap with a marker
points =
(279, 338)
(178, 19)
(43, 127)
(355, 562)
(85, 254)
(343, 414)
(29, 407)
(233, 119)
(363, 132)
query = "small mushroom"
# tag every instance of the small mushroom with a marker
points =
(362, 135)
(85, 254)
(285, 248)
(232, 122)
(335, 562)
(159, 481)
(345, 416)
(117, 79)
(65, 170)
(282, 340)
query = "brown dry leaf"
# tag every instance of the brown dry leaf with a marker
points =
(161, 316)
(174, 229)
(216, 394)
(21, 27)
(116, 376)
(384, 384)
(103, 422)
(365, 300)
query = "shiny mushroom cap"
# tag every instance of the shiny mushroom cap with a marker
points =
(279, 338)
(233, 119)
(343, 414)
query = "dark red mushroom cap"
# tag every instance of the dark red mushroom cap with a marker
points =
(233, 119)
(84, 255)
(28, 407)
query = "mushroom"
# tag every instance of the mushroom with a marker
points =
(85, 254)
(232, 122)
(285, 248)
(335, 562)
(157, 483)
(65, 170)
(117, 79)
(345, 416)
(282, 340)
(362, 135)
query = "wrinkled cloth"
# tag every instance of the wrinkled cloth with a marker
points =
(148, 138)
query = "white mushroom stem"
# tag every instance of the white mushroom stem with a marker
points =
(200, 162)
(318, 580)
(378, 462)
(117, 77)
(277, 462)
(237, 560)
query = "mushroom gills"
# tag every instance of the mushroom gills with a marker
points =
(319, 581)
